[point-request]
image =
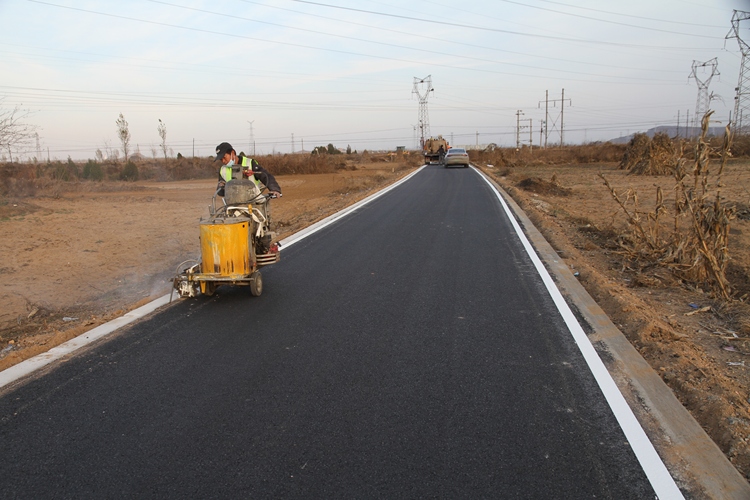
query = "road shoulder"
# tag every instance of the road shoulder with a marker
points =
(693, 459)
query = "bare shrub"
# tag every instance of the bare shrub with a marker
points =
(694, 244)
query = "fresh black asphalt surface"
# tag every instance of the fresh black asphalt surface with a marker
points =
(409, 350)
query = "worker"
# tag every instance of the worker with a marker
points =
(250, 169)
(441, 152)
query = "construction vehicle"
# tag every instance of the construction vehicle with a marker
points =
(431, 150)
(235, 240)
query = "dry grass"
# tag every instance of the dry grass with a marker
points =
(509, 157)
(52, 179)
(690, 237)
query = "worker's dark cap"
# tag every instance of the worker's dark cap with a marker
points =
(223, 149)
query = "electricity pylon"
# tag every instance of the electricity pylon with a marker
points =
(423, 87)
(742, 98)
(703, 102)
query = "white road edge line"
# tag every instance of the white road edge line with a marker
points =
(26, 367)
(30, 365)
(656, 472)
(314, 228)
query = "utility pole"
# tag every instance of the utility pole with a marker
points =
(702, 103)
(252, 139)
(422, 87)
(547, 100)
(562, 116)
(477, 142)
(519, 127)
(531, 132)
(519, 113)
(742, 98)
(678, 124)
(541, 132)
(292, 142)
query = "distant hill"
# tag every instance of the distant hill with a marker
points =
(672, 132)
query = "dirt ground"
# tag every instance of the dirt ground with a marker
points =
(76, 260)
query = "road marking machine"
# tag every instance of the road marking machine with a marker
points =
(236, 241)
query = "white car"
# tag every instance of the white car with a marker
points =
(456, 156)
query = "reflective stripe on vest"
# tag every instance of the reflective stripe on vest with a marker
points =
(226, 171)
(245, 161)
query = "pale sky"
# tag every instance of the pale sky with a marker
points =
(309, 73)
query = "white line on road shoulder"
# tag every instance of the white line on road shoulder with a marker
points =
(30, 365)
(644, 450)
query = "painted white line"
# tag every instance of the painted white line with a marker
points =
(30, 365)
(644, 450)
(314, 228)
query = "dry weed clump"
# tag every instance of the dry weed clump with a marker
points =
(636, 150)
(656, 156)
(694, 244)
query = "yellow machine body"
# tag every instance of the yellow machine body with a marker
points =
(226, 249)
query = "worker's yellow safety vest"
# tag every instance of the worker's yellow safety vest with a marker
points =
(226, 171)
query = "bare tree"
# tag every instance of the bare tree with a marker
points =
(14, 132)
(163, 134)
(124, 134)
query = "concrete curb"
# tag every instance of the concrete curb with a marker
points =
(690, 454)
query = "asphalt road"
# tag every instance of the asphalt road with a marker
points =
(409, 350)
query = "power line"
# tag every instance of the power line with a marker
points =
(467, 26)
(386, 44)
(631, 15)
(455, 42)
(607, 21)
(297, 45)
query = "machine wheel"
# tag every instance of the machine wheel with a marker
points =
(256, 284)
(208, 288)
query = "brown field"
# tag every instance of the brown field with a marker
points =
(80, 252)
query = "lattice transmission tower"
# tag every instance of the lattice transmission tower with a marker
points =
(742, 97)
(423, 87)
(700, 73)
